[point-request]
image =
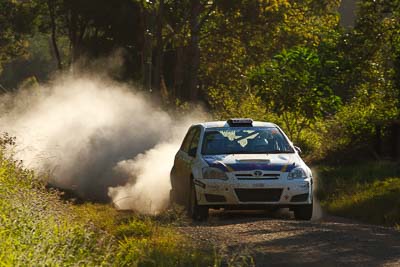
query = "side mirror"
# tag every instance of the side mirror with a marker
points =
(298, 149)
(192, 152)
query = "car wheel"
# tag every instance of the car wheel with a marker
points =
(303, 212)
(197, 212)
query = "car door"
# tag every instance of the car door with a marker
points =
(188, 156)
(179, 170)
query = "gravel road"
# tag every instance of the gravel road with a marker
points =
(276, 239)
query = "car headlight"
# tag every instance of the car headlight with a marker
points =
(297, 173)
(214, 173)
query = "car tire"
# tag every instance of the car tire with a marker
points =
(195, 211)
(303, 212)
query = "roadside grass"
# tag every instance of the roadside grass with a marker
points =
(39, 229)
(368, 192)
(36, 228)
(146, 240)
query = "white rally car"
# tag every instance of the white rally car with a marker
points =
(243, 164)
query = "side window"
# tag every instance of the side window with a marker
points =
(186, 141)
(195, 142)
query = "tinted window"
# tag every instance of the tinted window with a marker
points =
(195, 140)
(245, 141)
(187, 140)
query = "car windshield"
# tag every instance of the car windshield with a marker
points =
(249, 140)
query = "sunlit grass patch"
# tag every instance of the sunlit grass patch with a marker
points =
(135, 228)
(151, 240)
(101, 215)
(377, 203)
(164, 248)
(368, 192)
(36, 228)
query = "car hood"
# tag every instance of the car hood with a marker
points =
(245, 162)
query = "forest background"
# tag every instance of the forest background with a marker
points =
(328, 72)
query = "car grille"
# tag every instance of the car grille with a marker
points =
(258, 195)
(251, 176)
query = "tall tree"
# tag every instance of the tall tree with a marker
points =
(51, 5)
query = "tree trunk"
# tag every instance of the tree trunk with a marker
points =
(178, 73)
(148, 53)
(159, 51)
(73, 36)
(51, 7)
(194, 50)
(76, 31)
(397, 79)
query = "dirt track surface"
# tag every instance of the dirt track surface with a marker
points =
(278, 240)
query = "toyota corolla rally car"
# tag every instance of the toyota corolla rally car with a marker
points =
(240, 164)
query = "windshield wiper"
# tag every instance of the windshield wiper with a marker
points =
(260, 152)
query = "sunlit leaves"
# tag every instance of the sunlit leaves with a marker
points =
(291, 87)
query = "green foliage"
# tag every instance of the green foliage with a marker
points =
(35, 227)
(361, 191)
(291, 87)
(38, 62)
(327, 87)
(309, 22)
(237, 37)
(278, 64)
(361, 115)
(17, 18)
(353, 128)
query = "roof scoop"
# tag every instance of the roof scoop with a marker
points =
(240, 122)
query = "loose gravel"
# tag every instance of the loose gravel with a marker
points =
(276, 239)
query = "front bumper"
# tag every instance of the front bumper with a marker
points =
(235, 192)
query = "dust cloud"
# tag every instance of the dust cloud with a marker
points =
(318, 213)
(97, 137)
(148, 188)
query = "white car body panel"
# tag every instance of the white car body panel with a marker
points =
(250, 172)
(227, 188)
